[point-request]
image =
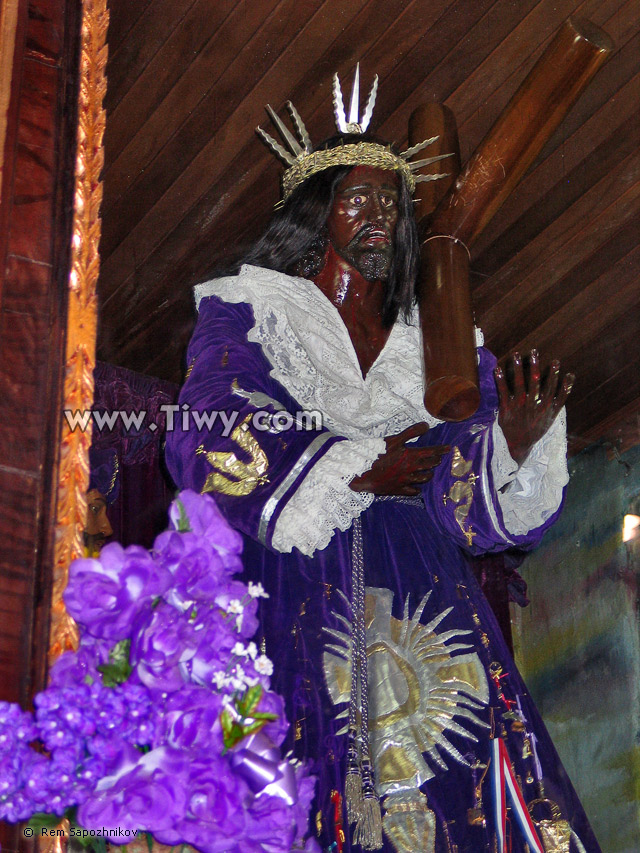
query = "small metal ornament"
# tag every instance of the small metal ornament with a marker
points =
(475, 815)
(409, 823)
(555, 832)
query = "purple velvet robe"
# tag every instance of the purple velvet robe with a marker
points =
(432, 694)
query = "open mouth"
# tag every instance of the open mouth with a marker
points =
(376, 237)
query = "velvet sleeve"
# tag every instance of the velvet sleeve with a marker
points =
(478, 495)
(236, 432)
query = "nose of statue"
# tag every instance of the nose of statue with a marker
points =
(375, 209)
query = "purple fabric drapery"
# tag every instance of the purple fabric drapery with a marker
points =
(145, 490)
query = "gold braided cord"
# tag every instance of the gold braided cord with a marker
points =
(353, 154)
(73, 475)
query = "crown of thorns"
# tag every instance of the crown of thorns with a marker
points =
(302, 161)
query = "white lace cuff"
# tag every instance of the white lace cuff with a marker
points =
(529, 495)
(324, 501)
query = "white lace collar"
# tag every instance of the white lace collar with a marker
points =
(311, 354)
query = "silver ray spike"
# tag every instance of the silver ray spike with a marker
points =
(354, 108)
(276, 148)
(418, 164)
(420, 179)
(415, 148)
(300, 127)
(338, 105)
(371, 102)
(405, 621)
(292, 142)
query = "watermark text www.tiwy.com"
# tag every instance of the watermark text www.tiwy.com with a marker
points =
(185, 418)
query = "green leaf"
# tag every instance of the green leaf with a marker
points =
(118, 670)
(226, 721)
(183, 523)
(149, 840)
(40, 820)
(250, 700)
(264, 715)
(233, 736)
(252, 728)
(99, 845)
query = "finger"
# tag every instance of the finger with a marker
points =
(563, 393)
(425, 457)
(503, 388)
(534, 376)
(551, 385)
(519, 389)
(420, 477)
(410, 432)
(409, 491)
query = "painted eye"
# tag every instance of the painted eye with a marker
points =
(387, 201)
(358, 200)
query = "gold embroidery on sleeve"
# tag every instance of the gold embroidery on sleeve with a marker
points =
(189, 369)
(461, 492)
(232, 476)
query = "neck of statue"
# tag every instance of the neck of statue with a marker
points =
(359, 303)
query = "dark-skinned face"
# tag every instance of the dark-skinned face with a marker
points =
(97, 529)
(363, 218)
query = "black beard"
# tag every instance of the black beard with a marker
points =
(372, 264)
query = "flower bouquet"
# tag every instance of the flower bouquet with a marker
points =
(163, 721)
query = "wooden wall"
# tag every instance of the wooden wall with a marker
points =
(34, 237)
(187, 181)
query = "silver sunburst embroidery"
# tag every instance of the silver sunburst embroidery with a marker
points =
(419, 681)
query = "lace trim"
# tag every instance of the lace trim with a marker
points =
(324, 501)
(303, 337)
(534, 491)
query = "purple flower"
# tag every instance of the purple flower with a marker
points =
(233, 597)
(271, 822)
(104, 595)
(148, 795)
(191, 721)
(216, 815)
(163, 641)
(16, 726)
(197, 567)
(215, 635)
(73, 668)
(273, 703)
(205, 519)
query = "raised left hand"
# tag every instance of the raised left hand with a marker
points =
(527, 414)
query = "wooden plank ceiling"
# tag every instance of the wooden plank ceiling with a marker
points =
(187, 181)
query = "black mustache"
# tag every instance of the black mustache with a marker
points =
(366, 229)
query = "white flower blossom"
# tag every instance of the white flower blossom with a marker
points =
(220, 679)
(239, 650)
(256, 590)
(239, 622)
(235, 606)
(252, 650)
(263, 665)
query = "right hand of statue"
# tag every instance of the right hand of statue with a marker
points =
(401, 470)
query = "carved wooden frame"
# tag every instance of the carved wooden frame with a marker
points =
(81, 327)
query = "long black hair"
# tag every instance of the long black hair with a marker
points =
(294, 241)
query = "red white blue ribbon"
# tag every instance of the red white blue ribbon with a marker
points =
(504, 783)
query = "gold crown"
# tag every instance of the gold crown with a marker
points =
(303, 161)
